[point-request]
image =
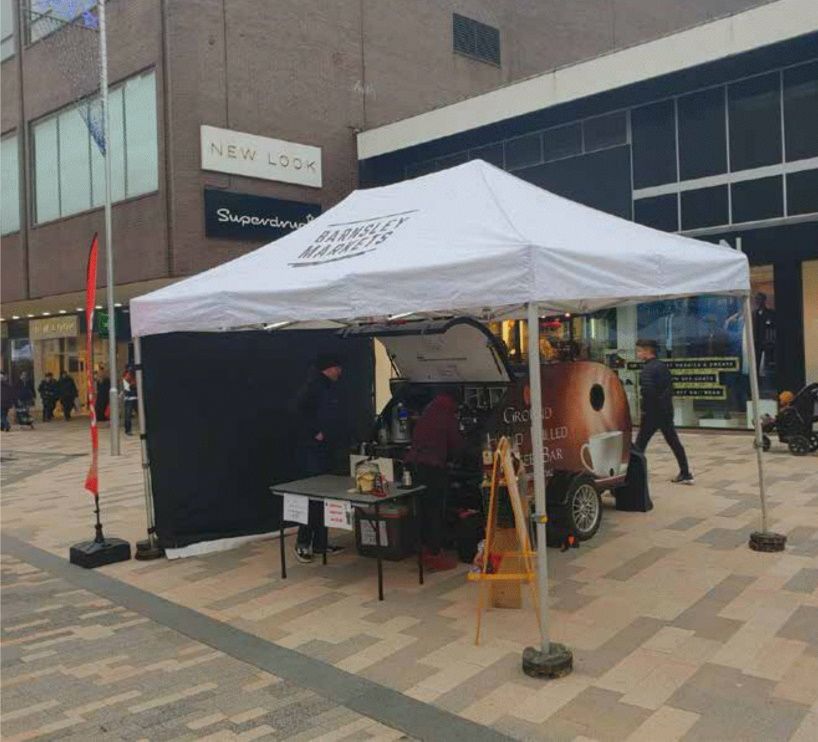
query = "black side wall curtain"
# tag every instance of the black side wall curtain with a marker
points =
(218, 409)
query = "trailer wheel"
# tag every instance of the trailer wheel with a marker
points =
(813, 442)
(799, 445)
(583, 507)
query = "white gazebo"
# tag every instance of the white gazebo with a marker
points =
(471, 240)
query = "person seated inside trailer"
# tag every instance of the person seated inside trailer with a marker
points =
(436, 440)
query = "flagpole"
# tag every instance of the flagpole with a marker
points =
(113, 399)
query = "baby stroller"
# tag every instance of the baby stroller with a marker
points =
(794, 423)
(23, 415)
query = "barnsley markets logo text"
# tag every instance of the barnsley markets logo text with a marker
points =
(351, 239)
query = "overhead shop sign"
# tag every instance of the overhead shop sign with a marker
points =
(236, 152)
(53, 327)
(242, 216)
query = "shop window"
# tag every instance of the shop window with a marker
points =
(702, 134)
(562, 141)
(755, 122)
(653, 138)
(802, 192)
(758, 199)
(704, 207)
(475, 39)
(659, 212)
(10, 176)
(69, 170)
(492, 153)
(523, 151)
(48, 16)
(605, 131)
(801, 111)
(6, 29)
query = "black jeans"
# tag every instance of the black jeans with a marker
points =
(67, 407)
(130, 406)
(316, 459)
(433, 505)
(650, 425)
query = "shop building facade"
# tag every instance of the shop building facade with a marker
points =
(711, 133)
(234, 121)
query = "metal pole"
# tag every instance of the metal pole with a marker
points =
(535, 386)
(113, 398)
(750, 340)
(149, 549)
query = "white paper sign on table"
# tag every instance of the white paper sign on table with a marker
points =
(338, 514)
(368, 533)
(296, 509)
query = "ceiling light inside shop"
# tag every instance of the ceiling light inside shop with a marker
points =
(118, 304)
(98, 306)
(79, 309)
(46, 314)
(63, 311)
(29, 316)
(15, 316)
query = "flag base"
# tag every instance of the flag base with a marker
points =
(92, 554)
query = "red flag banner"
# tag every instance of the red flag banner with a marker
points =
(92, 480)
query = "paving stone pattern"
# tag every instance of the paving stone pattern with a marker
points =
(679, 630)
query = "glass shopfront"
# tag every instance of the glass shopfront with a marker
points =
(700, 338)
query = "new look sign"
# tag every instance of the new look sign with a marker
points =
(241, 216)
(235, 152)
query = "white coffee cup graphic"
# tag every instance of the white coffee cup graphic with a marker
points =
(602, 454)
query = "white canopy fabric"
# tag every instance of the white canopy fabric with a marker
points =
(458, 241)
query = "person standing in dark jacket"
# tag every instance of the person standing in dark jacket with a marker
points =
(436, 439)
(656, 384)
(7, 397)
(320, 435)
(68, 394)
(48, 394)
(102, 399)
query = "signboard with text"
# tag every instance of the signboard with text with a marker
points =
(243, 216)
(697, 378)
(237, 152)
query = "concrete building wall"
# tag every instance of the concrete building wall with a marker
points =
(309, 71)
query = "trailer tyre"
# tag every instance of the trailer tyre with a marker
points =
(813, 442)
(583, 507)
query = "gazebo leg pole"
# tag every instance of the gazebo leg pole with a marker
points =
(762, 540)
(148, 548)
(551, 660)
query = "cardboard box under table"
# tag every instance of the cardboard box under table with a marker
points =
(337, 490)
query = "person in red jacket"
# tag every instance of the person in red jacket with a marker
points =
(436, 439)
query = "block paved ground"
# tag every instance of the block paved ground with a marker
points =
(679, 630)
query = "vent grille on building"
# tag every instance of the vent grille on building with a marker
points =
(476, 39)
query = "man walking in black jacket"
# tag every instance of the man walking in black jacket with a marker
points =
(320, 436)
(656, 384)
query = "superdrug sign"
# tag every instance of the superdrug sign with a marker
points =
(241, 216)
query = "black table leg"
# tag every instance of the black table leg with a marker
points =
(326, 545)
(283, 552)
(378, 548)
(419, 536)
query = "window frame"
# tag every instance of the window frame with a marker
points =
(55, 116)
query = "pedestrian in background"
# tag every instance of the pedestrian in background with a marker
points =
(129, 396)
(68, 394)
(656, 384)
(49, 392)
(102, 401)
(7, 396)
